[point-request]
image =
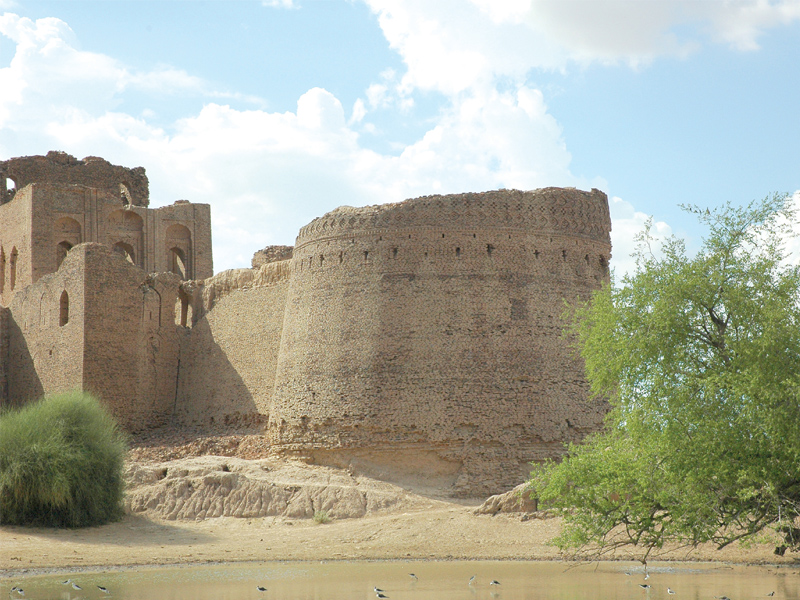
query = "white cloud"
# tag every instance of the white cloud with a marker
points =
(791, 235)
(48, 77)
(452, 45)
(265, 173)
(279, 3)
(626, 223)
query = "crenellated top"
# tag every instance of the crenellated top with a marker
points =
(564, 211)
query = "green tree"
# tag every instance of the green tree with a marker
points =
(700, 359)
(61, 462)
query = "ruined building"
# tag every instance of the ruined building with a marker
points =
(422, 336)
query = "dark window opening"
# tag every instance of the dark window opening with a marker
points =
(489, 249)
(127, 251)
(564, 254)
(61, 253)
(63, 309)
(341, 257)
(458, 252)
(12, 268)
(394, 252)
(366, 255)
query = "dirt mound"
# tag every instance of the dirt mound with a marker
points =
(216, 486)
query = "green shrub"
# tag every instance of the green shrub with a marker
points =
(61, 461)
(321, 517)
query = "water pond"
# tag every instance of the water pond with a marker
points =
(430, 580)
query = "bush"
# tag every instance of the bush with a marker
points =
(321, 517)
(61, 461)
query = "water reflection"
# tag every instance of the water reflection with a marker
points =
(439, 580)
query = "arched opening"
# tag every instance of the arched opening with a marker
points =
(8, 187)
(178, 240)
(126, 220)
(12, 268)
(124, 234)
(63, 309)
(183, 309)
(126, 250)
(61, 253)
(177, 263)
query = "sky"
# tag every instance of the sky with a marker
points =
(277, 111)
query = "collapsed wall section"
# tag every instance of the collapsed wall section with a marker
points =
(426, 335)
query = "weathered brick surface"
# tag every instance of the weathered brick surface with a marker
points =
(423, 336)
(81, 231)
(79, 203)
(271, 254)
(61, 168)
(433, 326)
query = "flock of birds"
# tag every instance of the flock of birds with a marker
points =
(21, 593)
(379, 592)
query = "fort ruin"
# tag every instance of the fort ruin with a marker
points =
(421, 335)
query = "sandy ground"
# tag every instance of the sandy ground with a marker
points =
(412, 526)
(435, 531)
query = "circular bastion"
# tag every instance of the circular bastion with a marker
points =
(423, 339)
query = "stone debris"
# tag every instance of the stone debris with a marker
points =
(517, 500)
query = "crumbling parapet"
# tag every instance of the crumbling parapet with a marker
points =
(271, 254)
(130, 185)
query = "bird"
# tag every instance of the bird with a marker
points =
(379, 595)
(414, 577)
(471, 579)
(670, 590)
(19, 590)
(644, 586)
(378, 590)
(261, 588)
(494, 582)
(67, 582)
(103, 589)
(75, 586)
(772, 593)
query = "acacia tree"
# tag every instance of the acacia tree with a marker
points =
(700, 359)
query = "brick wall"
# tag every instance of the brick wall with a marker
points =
(433, 326)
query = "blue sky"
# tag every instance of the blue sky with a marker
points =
(275, 112)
